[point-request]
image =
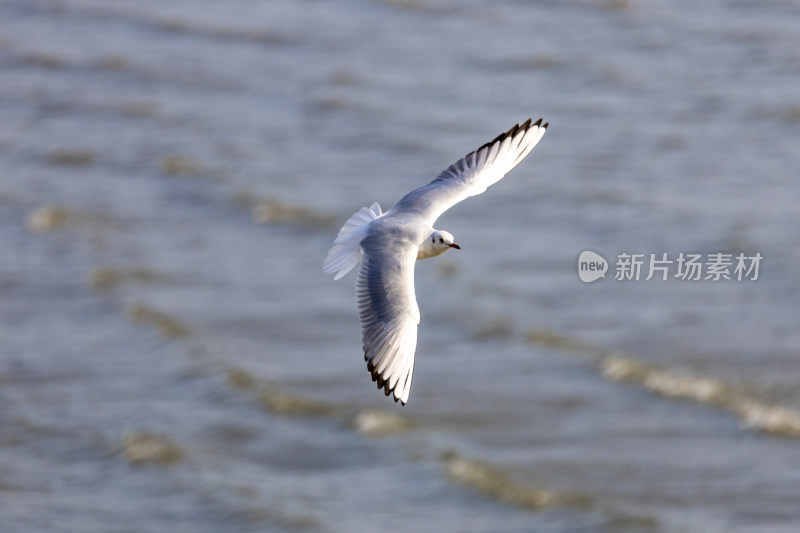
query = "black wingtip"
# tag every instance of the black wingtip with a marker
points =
(381, 383)
(545, 125)
(510, 133)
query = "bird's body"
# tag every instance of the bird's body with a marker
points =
(388, 244)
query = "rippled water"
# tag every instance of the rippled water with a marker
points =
(172, 358)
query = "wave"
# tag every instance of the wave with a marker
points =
(142, 447)
(754, 413)
(495, 483)
(375, 423)
(167, 325)
(275, 211)
(52, 218)
(275, 401)
(680, 384)
(109, 277)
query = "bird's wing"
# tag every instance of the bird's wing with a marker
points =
(474, 173)
(389, 314)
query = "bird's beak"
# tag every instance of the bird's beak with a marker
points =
(454, 245)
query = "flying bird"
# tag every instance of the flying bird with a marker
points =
(388, 244)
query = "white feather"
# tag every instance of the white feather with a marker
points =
(388, 244)
(345, 253)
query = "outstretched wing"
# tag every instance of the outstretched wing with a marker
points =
(388, 310)
(474, 173)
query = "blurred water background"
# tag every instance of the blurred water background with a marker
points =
(172, 358)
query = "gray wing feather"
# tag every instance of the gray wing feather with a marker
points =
(387, 304)
(388, 310)
(472, 174)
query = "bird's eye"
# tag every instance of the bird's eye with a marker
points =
(441, 240)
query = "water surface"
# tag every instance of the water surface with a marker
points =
(172, 358)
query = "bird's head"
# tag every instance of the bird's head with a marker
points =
(436, 244)
(443, 241)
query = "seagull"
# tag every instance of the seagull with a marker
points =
(388, 244)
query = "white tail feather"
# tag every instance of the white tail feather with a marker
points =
(346, 251)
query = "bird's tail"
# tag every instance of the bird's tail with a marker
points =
(346, 251)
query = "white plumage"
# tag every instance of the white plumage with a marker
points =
(388, 244)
